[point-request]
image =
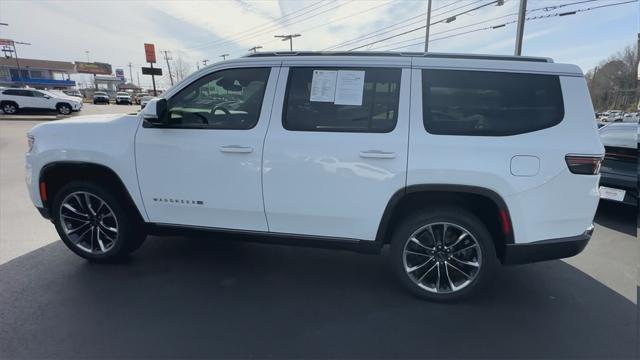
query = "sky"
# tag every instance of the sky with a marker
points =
(115, 31)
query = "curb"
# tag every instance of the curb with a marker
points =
(30, 117)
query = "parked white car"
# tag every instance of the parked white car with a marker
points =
(123, 98)
(14, 100)
(459, 163)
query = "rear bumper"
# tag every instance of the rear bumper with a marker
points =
(546, 249)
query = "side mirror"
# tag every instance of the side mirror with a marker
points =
(156, 112)
(47, 97)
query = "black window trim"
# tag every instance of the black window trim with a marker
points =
(268, 67)
(505, 71)
(337, 67)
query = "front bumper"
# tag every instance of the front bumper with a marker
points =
(546, 249)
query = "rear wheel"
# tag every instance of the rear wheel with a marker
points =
(94, 223)
(443, 254)
(9, 107)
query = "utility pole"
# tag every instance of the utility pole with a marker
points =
(288, 37)
(255, 49)
(130, 73)
(224, 56)
(87, 53)
(197, 65)
(520, 31)
(15, 51)
(205, 61)
(167, 58)
(138, 75)
(426, 35)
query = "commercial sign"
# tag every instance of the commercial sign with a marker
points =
(93, 68)
(151, 71)
(120, 74)
(6, 42)
(150, 52)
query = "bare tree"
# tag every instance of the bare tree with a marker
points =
(614, 82)
(181, 68)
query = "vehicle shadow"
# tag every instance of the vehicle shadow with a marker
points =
(197, 297)
(617, 217)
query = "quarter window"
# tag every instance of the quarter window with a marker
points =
(227, 99)
(457, 102)
(376, 112)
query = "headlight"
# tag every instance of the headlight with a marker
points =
(30, 141)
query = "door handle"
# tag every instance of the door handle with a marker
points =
(377, 154)
(236, 149)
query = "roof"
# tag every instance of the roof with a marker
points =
(39, 64)
(407, 54)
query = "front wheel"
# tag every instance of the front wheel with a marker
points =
(64, 109)
(94, 223)
(443, 254)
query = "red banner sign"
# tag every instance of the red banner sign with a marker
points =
(150, 52)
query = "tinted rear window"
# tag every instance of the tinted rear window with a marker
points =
(377, 112)
(457, 102)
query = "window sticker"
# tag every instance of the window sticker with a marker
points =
(349, 87)
(323, 86)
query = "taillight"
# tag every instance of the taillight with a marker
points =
(584, 164)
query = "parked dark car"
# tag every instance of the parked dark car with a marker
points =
(100, 97)
(619, 171)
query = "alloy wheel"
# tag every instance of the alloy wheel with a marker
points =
(88, 222)
(9, 109)
(442, 257)
(64, 110)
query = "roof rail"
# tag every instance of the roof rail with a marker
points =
(398, 54)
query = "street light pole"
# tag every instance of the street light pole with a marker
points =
(426, 35)
(520, 31)
(255, 49)
(15, 51)
(224, 56)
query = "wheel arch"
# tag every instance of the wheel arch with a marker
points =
(488, 205)
(56, 174)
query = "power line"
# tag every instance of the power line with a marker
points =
(514, 21)
(381, 31)
(265, 24)
(273, 27)
(338, 19)
(423, 26)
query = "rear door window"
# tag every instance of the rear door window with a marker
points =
(482, 103)
(374, 108)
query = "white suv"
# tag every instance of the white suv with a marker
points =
(14, 100)
(123, 98)
(460, 163)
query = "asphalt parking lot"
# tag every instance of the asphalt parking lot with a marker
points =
(217, 297)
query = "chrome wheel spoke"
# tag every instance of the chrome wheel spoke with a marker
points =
(460, 271)
(73, 210)
(427, 272)
(417, 242)
(460, 238)
(74, 230)
(110, 238)
(416, 253)
(446, 272)
(87, 199)
(76, 218)
(469, 263)
(414, 268)
(465, 248)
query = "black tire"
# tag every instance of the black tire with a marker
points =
(64, 109)
(9, 107)
(457, 219)
(129, 236)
